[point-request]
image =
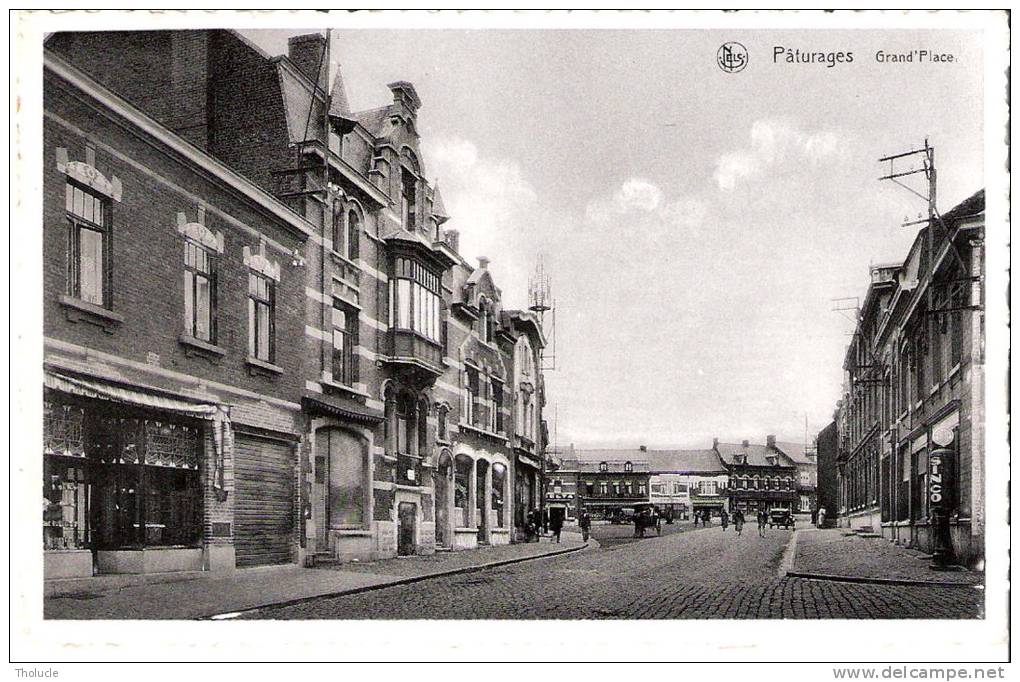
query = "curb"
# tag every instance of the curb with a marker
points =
(877, 581)
(393, 583)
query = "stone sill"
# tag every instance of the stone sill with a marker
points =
(78, 310)
(344, 259)
(261, 367)
(329, 382)
(483, 432)
(194, 346)
(353, 532)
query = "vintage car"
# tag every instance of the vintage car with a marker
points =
(780, 517)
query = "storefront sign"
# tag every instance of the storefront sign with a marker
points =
(938, 469)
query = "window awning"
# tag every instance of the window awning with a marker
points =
(105, 391)
(341, 407)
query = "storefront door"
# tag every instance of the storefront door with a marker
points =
(407, 514)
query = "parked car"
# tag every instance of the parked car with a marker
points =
(781, 517)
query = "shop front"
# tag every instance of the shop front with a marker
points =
(123, 479)
(527, 491)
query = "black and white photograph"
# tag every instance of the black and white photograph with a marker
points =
(513, 336)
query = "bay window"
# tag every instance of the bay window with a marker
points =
(415, 299)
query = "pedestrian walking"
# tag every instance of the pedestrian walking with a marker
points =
(556, 526)
(697, 517)
(707, 518)
(821, 517)
(585, 523)
(738, 521)
(763, 518)
(724, 519)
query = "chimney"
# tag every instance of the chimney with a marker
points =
(452, 239)
(745, 443)
(771, 441)
(715, 443)
(643, 448)
(306, 51)
(405, 98)
(483, 262)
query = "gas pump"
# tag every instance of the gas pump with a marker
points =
(940, 471)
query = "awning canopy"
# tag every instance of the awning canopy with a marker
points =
(91, 388)
(342, 408)
(530, 461)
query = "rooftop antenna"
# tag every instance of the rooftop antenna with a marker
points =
(541, 302)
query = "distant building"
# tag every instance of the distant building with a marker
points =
(762, 477)
(686, 481)
(805, 457)
(606, 483)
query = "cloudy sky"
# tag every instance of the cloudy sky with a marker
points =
(696, 224)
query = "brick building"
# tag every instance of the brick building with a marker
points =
(761, 476)
(172, 414)
(405, 360)
(826, 446)
(687, 481)
(606, 483)
(805, 457)
(914, 378)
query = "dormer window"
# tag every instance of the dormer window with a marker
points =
(603, 466)
(628, 467)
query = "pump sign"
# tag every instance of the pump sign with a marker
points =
(938, 466)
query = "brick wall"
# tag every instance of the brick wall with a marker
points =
(147, 255)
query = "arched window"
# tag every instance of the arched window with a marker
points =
(442, 429)
(423, 431)
(405, 423)
(461, 489)
(498, 491)
(353, 234)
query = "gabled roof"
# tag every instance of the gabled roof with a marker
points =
(756, 454)
(375, 121)
(795, 451)
(438, 208)
(613, 465)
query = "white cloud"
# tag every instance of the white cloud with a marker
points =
(639, 198)
(773, 143)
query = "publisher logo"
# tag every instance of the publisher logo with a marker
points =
(732, 57)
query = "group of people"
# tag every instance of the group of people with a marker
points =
(738, 519)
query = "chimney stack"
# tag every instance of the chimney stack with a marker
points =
(306, 51)
(405, 98)
(483, 262)
(643, 448)
(771, 441)
(715, 443)
(745, 443)
(452, 239)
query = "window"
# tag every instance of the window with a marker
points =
(405, 424)
(345, 339)
(353, 234)
(415, 299)
(199, 292)
(603, 466)
(604, 488)
(919, 360)
(628, 467)
(260, 316)
(498, 483)
(346, 471)
(957, 300)
(442, 430)
(88, 245)
(473, 396)
(408, 199)
(496, 422)
(641, 490)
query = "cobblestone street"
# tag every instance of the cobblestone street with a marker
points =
(704, 573)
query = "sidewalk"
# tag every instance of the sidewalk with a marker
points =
(190, 595)
(836, 555)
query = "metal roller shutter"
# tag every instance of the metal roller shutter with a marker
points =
(264, 508)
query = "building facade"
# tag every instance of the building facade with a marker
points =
(605, 488)
(806, 459)
(761, 477)
(826, 446)
(684, 482)
(394, 399)
(914, 382)
(172, 414)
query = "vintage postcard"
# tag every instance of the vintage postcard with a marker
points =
(628, 336)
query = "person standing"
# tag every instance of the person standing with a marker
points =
(724, 519)
(585, 524)
(821, 517)
(738, 521)
(707, 518)
(763, 518)
(697, 517)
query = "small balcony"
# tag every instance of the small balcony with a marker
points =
(407, 349)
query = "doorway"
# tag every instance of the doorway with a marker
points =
(407, 515)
